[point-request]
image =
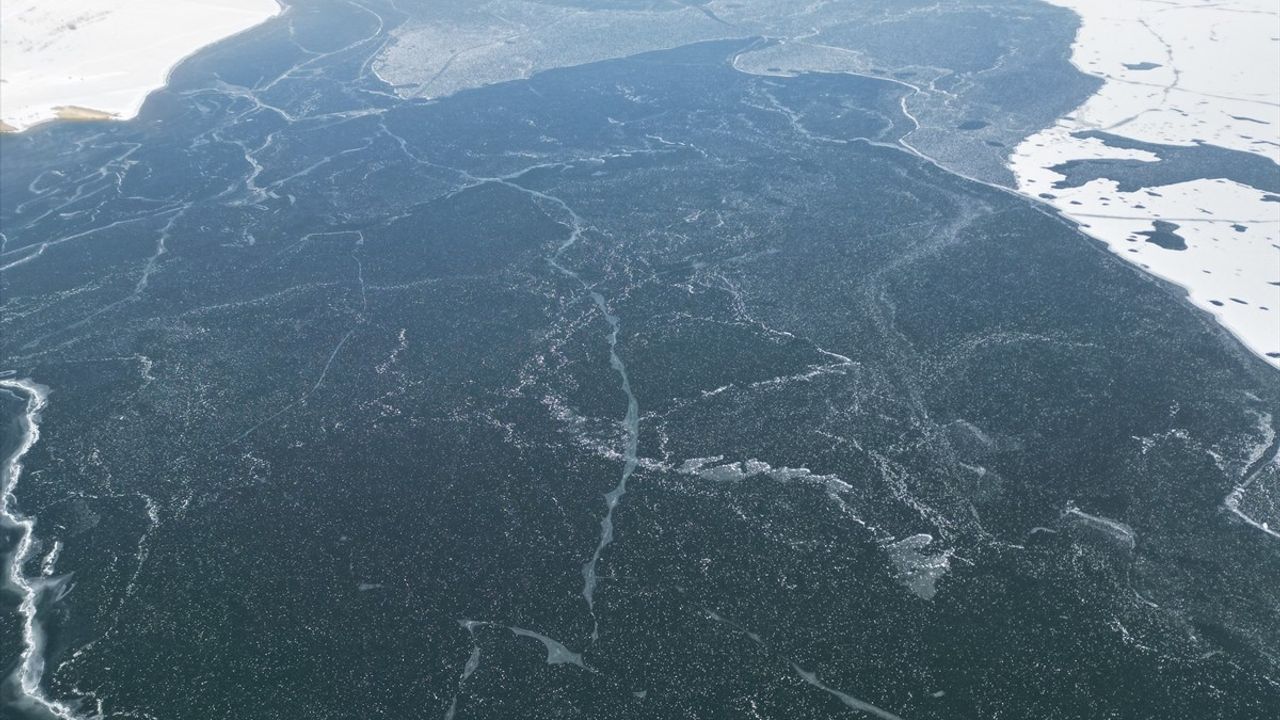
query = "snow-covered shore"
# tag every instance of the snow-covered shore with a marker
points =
(1178, 72)
(90, 59)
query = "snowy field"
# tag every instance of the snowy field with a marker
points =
(1178, 73)
(79, 59)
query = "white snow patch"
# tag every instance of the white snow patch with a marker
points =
(60, 58)
(1217, 82)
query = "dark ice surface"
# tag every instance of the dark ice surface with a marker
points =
(639, 389)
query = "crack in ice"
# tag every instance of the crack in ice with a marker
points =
(30, 668)
(811, 678)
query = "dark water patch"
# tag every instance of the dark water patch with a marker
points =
(1145, 65)
(1163, 234)
(972, 125)
(1176, 164)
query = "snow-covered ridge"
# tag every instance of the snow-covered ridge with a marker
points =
(1178, 73)
(87, 59)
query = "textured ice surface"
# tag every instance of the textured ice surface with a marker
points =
(960, 62)
(301, 333)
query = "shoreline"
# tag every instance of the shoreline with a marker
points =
(67, 63)
(1216, 237)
